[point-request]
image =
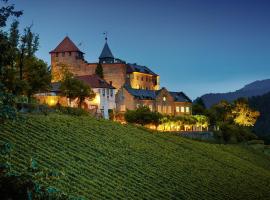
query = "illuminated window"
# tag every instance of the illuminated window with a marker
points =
(123, 108)
(187, 109)
(159, 108)
(164, 109)
(164, 98)
(182, 109)
(138, 105)
(177, 109)
(150, 107)
(169, 109)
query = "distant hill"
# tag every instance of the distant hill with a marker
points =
(253, 89)
(262, 126)
(101, 159)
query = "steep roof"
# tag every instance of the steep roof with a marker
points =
(94, 81)
(142, 94)
(66, 46)
(106, 52)
(138, 68)
(180, 97)
(152, 94)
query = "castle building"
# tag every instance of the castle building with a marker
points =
(133, 85)
(162, 101)
(116, 71)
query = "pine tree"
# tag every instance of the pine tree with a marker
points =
(99, 70)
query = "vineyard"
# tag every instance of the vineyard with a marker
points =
(104, 160)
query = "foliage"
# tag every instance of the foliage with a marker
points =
(37, 76)
(262, 125)
(74, 88)
(20, 71)
(233, 133)
(99, 70)
(243, 114)
(198, 107)
(143, 116)
(7, 105)
(101, 159)
(7, 11)
(71, 111)
(26, 185)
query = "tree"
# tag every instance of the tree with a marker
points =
(99, 70)
(37, 76)
(73, 88)
(7, 105)
(143, 116)
(243, 114)
(7, 59)
(198, 107)
(28, 47)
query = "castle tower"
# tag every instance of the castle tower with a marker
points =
(66, 53)
(106, 55)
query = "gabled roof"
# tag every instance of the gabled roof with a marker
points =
(142, 94)
(66, 46)
(180, 97)
(106, 52)
(152, 94)
(138, 68)
(94, 81)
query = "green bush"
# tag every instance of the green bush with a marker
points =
(71, 111)
(255, 142)
(232, 133)
(7, 105)
(143, 115)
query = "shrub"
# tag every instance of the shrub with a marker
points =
(255, 142)
(7, 105)
(143, 116)
(232, 133)
(72, 111)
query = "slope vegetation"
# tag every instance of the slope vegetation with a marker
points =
(104, 160)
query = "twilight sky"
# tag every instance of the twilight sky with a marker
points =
(196, 46)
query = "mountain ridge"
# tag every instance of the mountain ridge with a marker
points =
(255, 88)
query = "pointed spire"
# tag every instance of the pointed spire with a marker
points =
(106, 55)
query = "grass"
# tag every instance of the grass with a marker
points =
(104, 160)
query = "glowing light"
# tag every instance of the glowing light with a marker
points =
(51, 100)
(96, 100)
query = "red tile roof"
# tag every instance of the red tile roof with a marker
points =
(94, 81)
(66, 46)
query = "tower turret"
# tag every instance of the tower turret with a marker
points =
(106, 55)
(65, 53)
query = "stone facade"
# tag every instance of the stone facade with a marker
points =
(161, 101)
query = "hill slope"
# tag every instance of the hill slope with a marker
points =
(262, 126)
(253, 89)
(104, 160)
